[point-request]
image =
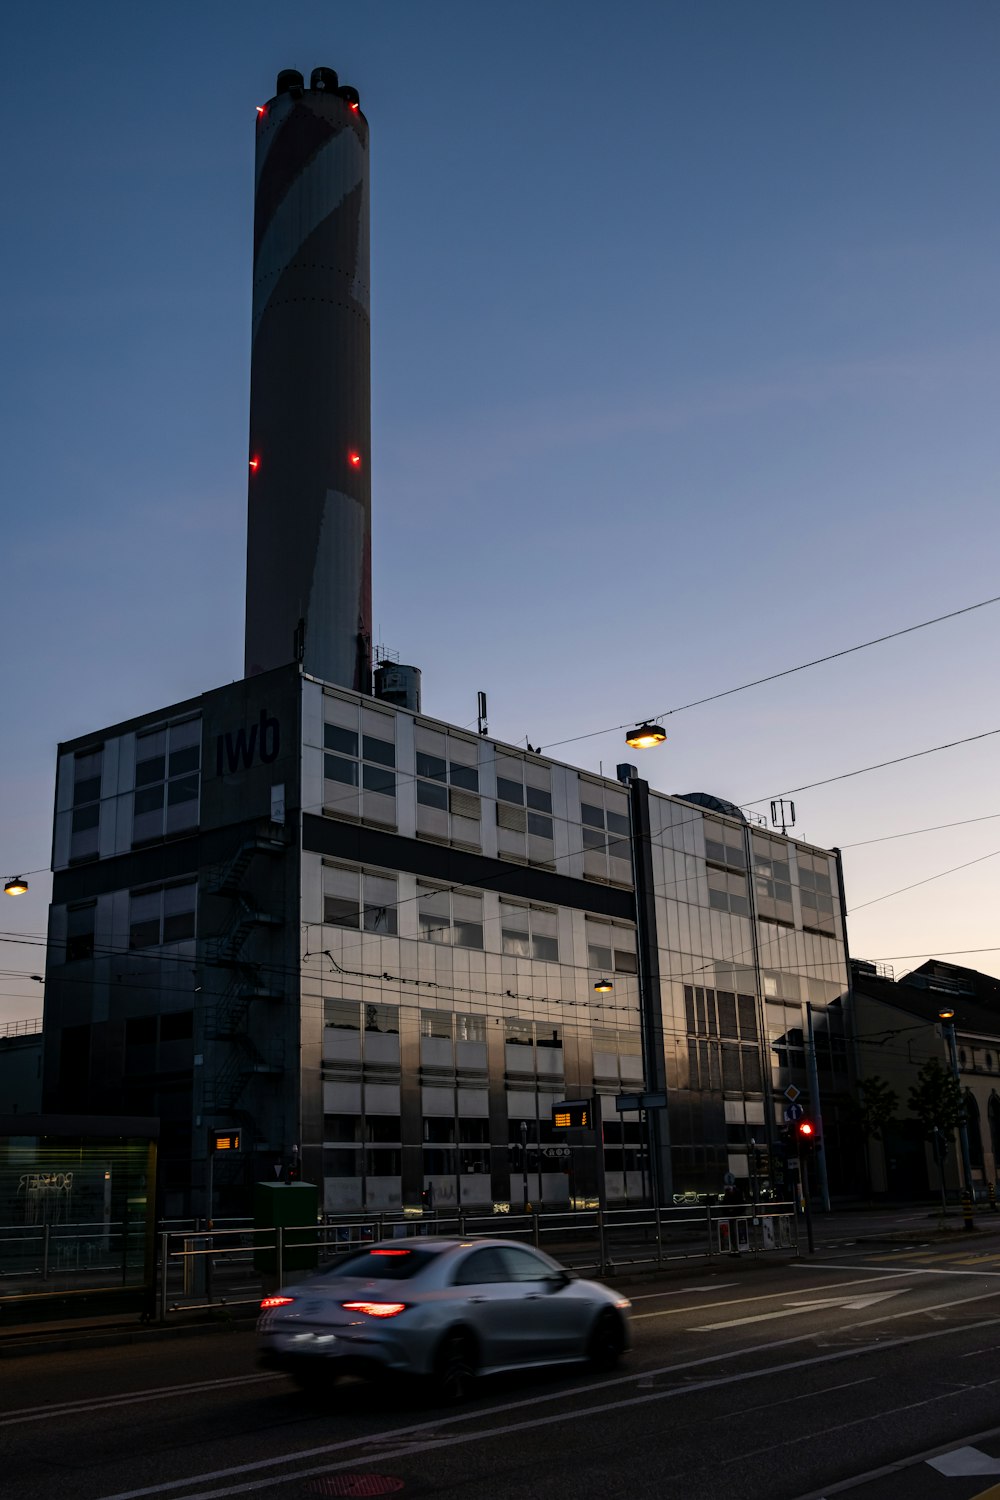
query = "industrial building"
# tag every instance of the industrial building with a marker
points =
(382, 946)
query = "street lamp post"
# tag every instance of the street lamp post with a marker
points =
(947, 1018)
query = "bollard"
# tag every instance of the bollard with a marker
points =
(967, 1223)
(993, 1197)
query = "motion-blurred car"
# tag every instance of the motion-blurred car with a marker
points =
(447, 1309)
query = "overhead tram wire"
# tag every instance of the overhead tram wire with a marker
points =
(742, 688)
(863, 770)
(774, 676)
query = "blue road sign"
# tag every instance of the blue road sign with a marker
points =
(792, 1113)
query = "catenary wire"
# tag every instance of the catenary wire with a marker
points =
(774, 676)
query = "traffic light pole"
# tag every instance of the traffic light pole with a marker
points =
(804, 1190)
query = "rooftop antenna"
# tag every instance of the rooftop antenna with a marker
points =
(778, 814)
(484, 728)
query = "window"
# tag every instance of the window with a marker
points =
(452, 918)
(604, 819)
(529, 932)
(447, 786)
(610, 947)
(772, 879)
(359, 898)
(728, 892)
(525, 1265)
(815, 891)
(344, 1014)
(469, 1028)
(436, 1023)
(80, 931)
(164, 914)
(524, 809)
(360, 753)
(724, 845)
(383, 1018)
(86, 816)
(480, 1268)
(167, 781)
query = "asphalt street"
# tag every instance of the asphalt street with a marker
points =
(872, 1368)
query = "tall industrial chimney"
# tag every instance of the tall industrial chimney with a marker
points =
(309, 523)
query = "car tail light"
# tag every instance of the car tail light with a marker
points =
(376, 1309)
(275, 1302)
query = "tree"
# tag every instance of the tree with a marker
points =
(936, 1100)
(867, 1115)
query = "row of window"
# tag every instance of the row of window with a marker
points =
(167, 788)
(366, 901)
(712, 1012)
(157, 915)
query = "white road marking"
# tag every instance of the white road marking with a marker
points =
(831, 1286)
(854, 1303)
(965, 1461)
(717, 1286)
(903, 1271)
(128, 1398)
(423, 1432)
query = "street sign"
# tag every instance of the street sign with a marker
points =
(573, 1114)
(793, 1112)
(792, 1092)
(627, 1103)
(559, 1153)
(225, 1140)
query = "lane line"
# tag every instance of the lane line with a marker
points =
(459, 1439)
(830, 1286)
(719, 1286)
(129, 1398)
(898, 1466)
(395, 1435)
(907, 1271)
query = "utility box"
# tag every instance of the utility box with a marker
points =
(293, 1208)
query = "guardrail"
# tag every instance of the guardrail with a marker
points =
(201, 1268)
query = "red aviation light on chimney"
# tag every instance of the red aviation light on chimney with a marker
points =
(354, 459)
(353, 107)
(261, 110)
(254, 465)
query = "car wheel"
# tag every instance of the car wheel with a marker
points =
(606, 1344)
(454, 1369)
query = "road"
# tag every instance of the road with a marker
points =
(871, 1370)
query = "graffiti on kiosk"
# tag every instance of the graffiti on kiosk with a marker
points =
(46, 1196)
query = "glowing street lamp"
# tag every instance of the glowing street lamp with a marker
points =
(645, 736)
(16, 886)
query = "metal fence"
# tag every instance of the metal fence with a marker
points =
(201, 1268)
(233, 1264)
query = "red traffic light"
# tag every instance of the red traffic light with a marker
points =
(806, 1129)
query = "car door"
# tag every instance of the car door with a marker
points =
(552, 1319)
(485, 1293)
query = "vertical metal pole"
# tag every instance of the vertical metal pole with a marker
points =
(279, 1248)
(806, 1202)
(654, 1062)
(46, 1235)
(824, 1187)
(602, 1184)
(164, 1262)
(524, 1166)
(963, 1130)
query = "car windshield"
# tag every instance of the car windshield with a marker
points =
(383, 1263)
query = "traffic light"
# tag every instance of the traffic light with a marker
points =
(806, 1133)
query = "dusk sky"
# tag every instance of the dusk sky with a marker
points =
(685, 340)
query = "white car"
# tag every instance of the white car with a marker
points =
(448, 1309)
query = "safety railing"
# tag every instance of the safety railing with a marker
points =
(233, 1267)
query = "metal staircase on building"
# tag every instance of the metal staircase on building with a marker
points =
(227, 1020)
